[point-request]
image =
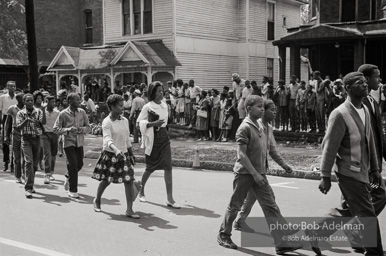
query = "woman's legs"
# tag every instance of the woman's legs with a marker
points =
(101, 188)
(145, 177)
(129, 197)
(169, 185)
(220, 136)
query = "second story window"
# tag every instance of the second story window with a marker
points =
(271, 22)
(348, 12)
(88, 21)
(270, 69)
(137, 17)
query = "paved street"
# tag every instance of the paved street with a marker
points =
(53, 224)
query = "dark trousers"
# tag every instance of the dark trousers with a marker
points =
(303, 118)
(5, 145)
(283, 110)
(293, 114)
(358, 198)
(50, 144)
(193, 112)
(30, 146)
(18, 155)
(242, 184)
(320, 112)
(311, 119)
(74, 165)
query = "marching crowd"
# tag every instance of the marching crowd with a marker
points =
(354, 141)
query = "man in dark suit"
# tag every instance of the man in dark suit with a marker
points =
(372, 74)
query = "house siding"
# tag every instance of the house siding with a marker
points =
(162, 23)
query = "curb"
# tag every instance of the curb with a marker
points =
(217, 166)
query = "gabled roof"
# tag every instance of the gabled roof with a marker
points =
(336, 31)
(137, 54)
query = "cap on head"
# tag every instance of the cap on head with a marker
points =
(235, 76)
(138, 92)
(351, 78)
(338, 81)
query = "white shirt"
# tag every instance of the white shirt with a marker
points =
(5, 102)
(160, 109)
(90, 105)
(50, 120)
(238, 88)
(377, 95)
(361, 113)
(116, 132)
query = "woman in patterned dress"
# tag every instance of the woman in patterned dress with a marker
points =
(115, 165)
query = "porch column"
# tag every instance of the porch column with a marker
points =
(358, 54)
(282, 62)
(80, 83)
(57, 81)
(149, 75)
(112, 79)
(247, 34)
(295, 61)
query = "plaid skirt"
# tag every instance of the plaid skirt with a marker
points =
(112, 169)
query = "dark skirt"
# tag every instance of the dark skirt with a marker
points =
(112, 169)
(161, 154)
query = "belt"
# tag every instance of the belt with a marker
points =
(30, 136)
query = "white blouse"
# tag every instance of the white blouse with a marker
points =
(160, 109)
(116, 132)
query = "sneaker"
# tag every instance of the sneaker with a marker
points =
(52, 178)
(226, 242)
(66, 185)
(47, 179)
(18, 180)
(142, 198)
(73, 194)
(33, 191)
(284, 250)
(190, 126)
(28, 194)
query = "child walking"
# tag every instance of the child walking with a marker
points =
(250, 175)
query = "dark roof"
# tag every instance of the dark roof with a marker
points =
(343, 30)
(157, 54)
(154, 53)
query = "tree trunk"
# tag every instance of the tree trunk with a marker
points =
(32, 52)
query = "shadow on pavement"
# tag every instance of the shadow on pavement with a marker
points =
(257, 253)
(147, 220)
(87, 199)
(52, 199)
(189, 210)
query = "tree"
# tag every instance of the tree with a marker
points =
(32, 51)
(13, 39)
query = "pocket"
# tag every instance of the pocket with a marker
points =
(355, 167)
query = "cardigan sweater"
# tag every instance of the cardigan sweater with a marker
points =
(349, 143)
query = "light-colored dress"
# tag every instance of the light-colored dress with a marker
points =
(202, 122)
(215, 113)
(221, 118)
(181, 101)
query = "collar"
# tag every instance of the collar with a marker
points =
(259, 126)
(113, 119)
(68, 109)
(156, 106)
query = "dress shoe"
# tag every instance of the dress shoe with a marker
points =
(314, 243)
(173, 205)
(133, 216)
(5, 167)
(96, 207)
(242, 226)
(226, 242)
(284, 250)
(18, 180)
(28, 194)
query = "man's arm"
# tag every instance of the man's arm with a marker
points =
(133, 108)
(58, 126)
(7, 125)
(86, 125)
(21, 120)
(245, 162)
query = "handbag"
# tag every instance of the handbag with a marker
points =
(202, 113)
(135, 189)
(152, 116)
